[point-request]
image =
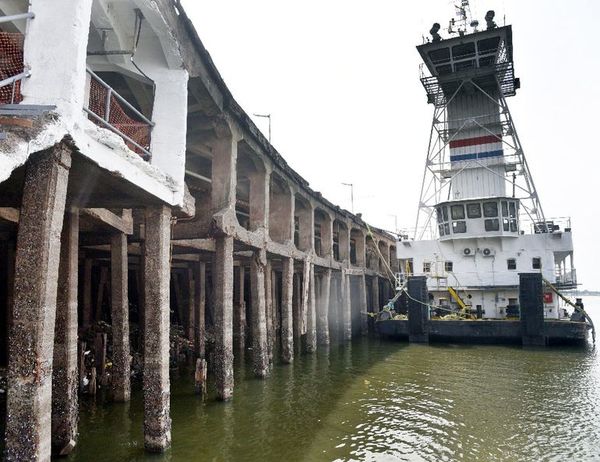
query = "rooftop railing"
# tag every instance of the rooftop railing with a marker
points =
(110, 110)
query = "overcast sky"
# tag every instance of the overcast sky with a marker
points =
(340, 79)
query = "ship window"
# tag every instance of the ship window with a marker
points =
(492, 224)
(445, 213)
(511, 264)
(513, 226)
(458, 212)
(426, 267)
(504, 208)
(439, 214)
(536, 263)
(463, 50)
(474, 210)
(512, 209)
(464, 65)
(447, 228)
(487, 61)
(505, 225)
(441, 228)
(490, 209)
(459, 227)
(449, 266)
(439, 56)
(489, 45)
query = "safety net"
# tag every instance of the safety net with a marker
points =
(11, 64)
(118, 118)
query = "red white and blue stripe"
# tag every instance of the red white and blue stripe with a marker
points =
(480, 147)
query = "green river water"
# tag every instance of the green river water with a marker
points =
(378, 400)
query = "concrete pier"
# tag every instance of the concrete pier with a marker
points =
(260, 352)
(121, 357)
(157, 395)
(31, 336)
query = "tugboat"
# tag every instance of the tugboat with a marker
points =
(480, 221)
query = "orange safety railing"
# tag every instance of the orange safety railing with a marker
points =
(11, 65)
(110, 110)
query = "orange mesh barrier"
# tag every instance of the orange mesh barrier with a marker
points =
(138, 131)
(11, 64)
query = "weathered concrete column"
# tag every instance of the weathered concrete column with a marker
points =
(323, 310)
(260, 354)
(269, 309)
(287, 312)
(297, 309)
(191, 304)
(157, 268)
(65, 373)
(375, 295)
(346, 308)
(239, 315)
(364, 319)
(223, 316)
(31, 335)
(200, 290)
(311, 315)
(87, 292)
(121, 358)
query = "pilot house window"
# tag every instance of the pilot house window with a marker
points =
(511, 264)
(474, 210)
(536, 263)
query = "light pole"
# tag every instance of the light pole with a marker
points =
(351, 195)
(266, 116)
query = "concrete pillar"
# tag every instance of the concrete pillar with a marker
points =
(65, 373)
(191, 305)
(323, 310)
(375, 305)
(287, 312)
(200, 318)
(346, 308)
(260, 354)
(157, 268)
(223, 317)
(31, 335)
(87, 292)
(364, 319)
(311, 315)
(297, 309)
(418, 312)
(269, 309)
(239, 315)
(121, 357)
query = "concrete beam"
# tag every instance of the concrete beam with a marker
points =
(123, 224)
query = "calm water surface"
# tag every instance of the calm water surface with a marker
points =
(375, 400)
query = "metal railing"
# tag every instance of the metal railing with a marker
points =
(110, 111)
(15, 79)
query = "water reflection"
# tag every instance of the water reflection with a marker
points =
(373, 400)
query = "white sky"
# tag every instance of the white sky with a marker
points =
(340, 79)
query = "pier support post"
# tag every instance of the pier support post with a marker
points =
(323, 309)
(269, 302)
(239, 316)
(287, 312)
(157, 268)
(200, 281)
(311, 314)
(191, 307)
(418, 311)
(260, 354)
(64, 373)
(87, 292)
(297, 309)
(531, 303)
(223, 316)
(364, 306)
(346, 308)
(121, 356)
(31, 335)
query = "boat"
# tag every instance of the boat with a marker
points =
(480, 221)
